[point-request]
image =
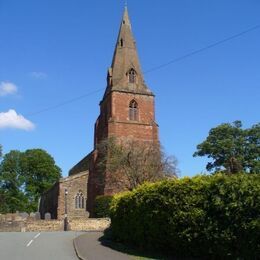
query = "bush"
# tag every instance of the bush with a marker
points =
(102, 205)
(206, 216)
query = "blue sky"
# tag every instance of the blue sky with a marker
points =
(54, 51)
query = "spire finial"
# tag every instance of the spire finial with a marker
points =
(126, 4)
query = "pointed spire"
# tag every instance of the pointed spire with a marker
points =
(126, 17)
(125, 73)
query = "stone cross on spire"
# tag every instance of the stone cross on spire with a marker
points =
(125, 72)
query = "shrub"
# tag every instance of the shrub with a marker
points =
(205, 216)
(102, 205)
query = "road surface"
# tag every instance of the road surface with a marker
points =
(38, 246)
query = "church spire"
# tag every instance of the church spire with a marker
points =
(125, 73)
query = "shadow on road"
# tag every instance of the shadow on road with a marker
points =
(106, 240)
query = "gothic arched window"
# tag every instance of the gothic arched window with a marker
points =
(133, 111)
(132, 76)
(79, 201)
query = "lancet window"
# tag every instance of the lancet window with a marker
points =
(133, 111)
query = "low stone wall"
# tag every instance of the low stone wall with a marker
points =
(11, 224)
(43, 226)
(89, 224)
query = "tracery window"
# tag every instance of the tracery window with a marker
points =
(132, 76)
(79, 201)
(133, 111)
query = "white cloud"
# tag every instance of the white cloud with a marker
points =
(11, 119)
(38, 75)
(7, 88)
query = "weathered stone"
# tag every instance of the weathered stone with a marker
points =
(89, 224)
(54, 200)
(31, 225)
(37, 216)
(18, 218)
(24, 215)
(47, 216)
(32, 215)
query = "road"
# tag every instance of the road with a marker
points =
(39, 246)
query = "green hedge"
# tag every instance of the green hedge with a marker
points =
(206, 216)
(102, 205)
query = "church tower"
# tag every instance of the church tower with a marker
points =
(127, 107)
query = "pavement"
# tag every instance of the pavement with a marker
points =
(89, 247)
(40, 246)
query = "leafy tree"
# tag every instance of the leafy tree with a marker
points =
(232, 149)
(1, 151)
(40, 172)
(11, 183)
(24, 176)
(130, 163)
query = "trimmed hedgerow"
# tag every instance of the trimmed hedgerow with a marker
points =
(205, 216)
(102, 205)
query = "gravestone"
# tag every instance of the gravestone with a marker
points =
(37, 216)
(32, 215)
(24, 215)
(47, 216)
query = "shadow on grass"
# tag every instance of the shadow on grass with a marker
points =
(107, 241)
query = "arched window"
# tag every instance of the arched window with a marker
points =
(133, 111)
(132, 76)
(79, 201)
(121, 42)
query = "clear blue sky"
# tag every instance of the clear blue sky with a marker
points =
(54, 51)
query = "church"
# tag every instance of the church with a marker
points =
(127, 110)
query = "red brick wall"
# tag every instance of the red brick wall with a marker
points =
(114, 121)
(114, 117)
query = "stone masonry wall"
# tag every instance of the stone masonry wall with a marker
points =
(89, 225)
(30, 225)
(73, 184)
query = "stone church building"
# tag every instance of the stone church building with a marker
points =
(126, 111)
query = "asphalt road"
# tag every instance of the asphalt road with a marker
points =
(38, 246)
(89, 247)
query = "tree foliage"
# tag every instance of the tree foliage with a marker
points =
(11, 183)
(232, 148)
(102, 206)
(24, 176)
(204, 217)
(130, 163)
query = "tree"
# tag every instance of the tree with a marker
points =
(11, 183)
(232, 149)
(24, 176)
(130, 163)
(40, 172)
(1, 151)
